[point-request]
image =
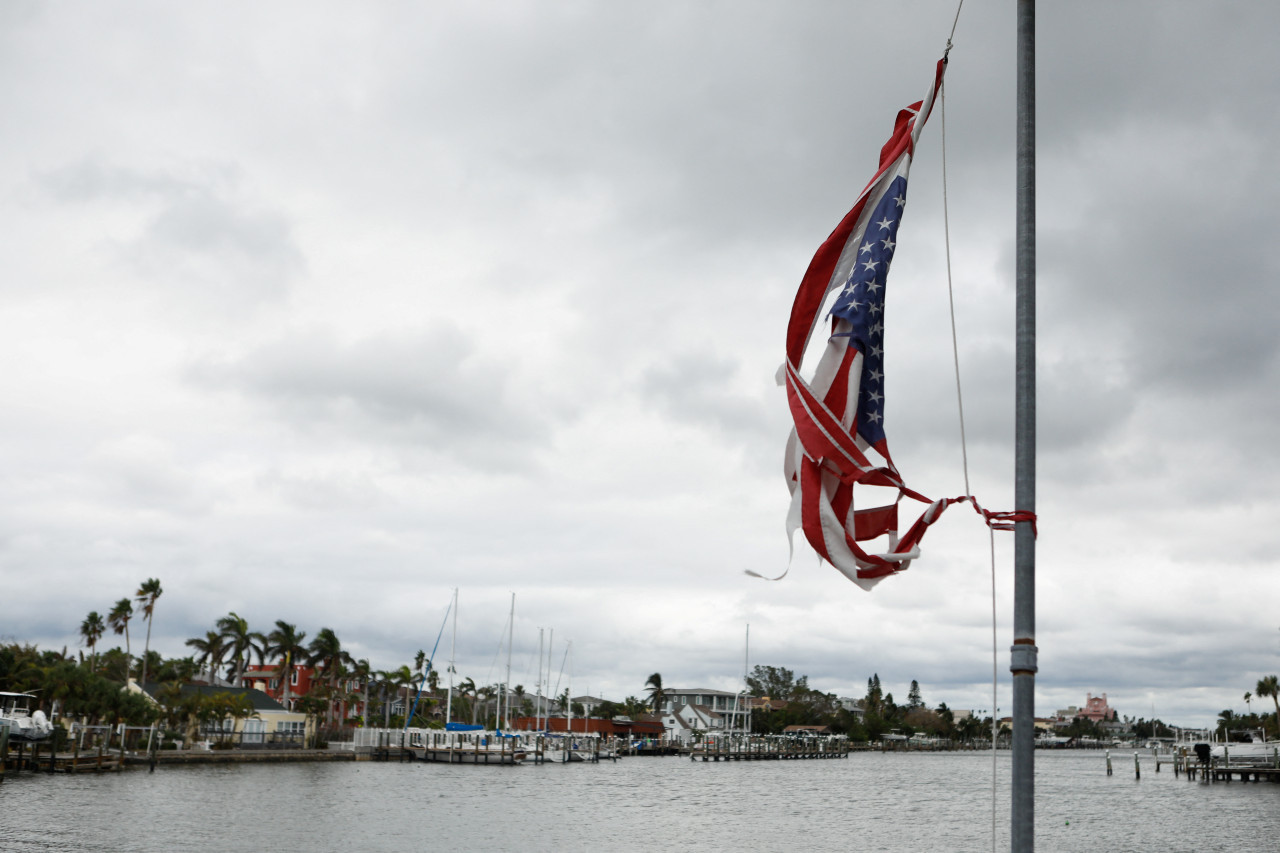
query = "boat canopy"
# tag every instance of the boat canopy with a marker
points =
(462, 727)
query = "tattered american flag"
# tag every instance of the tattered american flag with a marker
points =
(839, 436)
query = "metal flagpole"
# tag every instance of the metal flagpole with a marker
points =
(1023, 652)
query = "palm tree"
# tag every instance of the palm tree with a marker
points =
(146, 595)
(326, 651)
(285, 644)
(467, 688)
(361, 671)
(657, 696)
(518, 692)
(484, 695)
(1225, 718)
(92, 629)
(241, 642)
(398, 680)
(384, 690)
(212, 646)
(118, 619)
(1270, 686)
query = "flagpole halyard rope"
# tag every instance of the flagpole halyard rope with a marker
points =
(964, 449)
(953, 27)
(951, 297)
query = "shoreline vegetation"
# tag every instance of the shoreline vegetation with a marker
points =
(210, 695)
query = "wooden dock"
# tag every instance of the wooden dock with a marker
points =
(39, 757)
(1185, 763)
(771, 749)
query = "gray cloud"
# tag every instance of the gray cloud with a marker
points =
(431, 389)
(196, 230)
(400, 299)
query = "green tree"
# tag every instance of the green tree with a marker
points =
(241, 642)
(180, 709)
(913, 696)
(776, 682)
(466, 690)
(326, 652)
(1270, 686)
(148, 592)
(398, 681)
(362, 672)
(313, 706)
(608, 710)
(118, 619)
(633, 707)
(92, 629)
(212, 646)
(657, 696)
(1226, 722)
(484, 696)
(173, 669)
(873, 703)
(285, 644)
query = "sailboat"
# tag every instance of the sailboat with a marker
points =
(460, 743)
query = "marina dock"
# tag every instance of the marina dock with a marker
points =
(770, 748)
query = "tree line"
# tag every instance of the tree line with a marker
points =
(350, 691)
(797, 704)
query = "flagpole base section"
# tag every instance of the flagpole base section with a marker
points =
(1023, 659)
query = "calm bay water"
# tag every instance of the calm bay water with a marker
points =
(868, 802)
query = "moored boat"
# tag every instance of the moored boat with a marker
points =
(24, 725)
(1254, 750)
(467, 746)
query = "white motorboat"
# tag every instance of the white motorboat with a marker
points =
(1253, 751)
(15, 710)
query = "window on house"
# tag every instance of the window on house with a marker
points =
(218, 726)
(293, 677)
(275, 683)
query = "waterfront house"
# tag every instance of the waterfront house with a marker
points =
(269, 724)
(733, 707)
(302, 679)
(853, 706)
(685, 724)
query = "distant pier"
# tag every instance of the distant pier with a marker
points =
(770, 748)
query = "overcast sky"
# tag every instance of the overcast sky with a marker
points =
(317, 311)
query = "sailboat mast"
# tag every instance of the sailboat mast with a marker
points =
(1023, 663)
(551, 644)
(506, 687)
(746, 654)
(537, 710)
(453, 659)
